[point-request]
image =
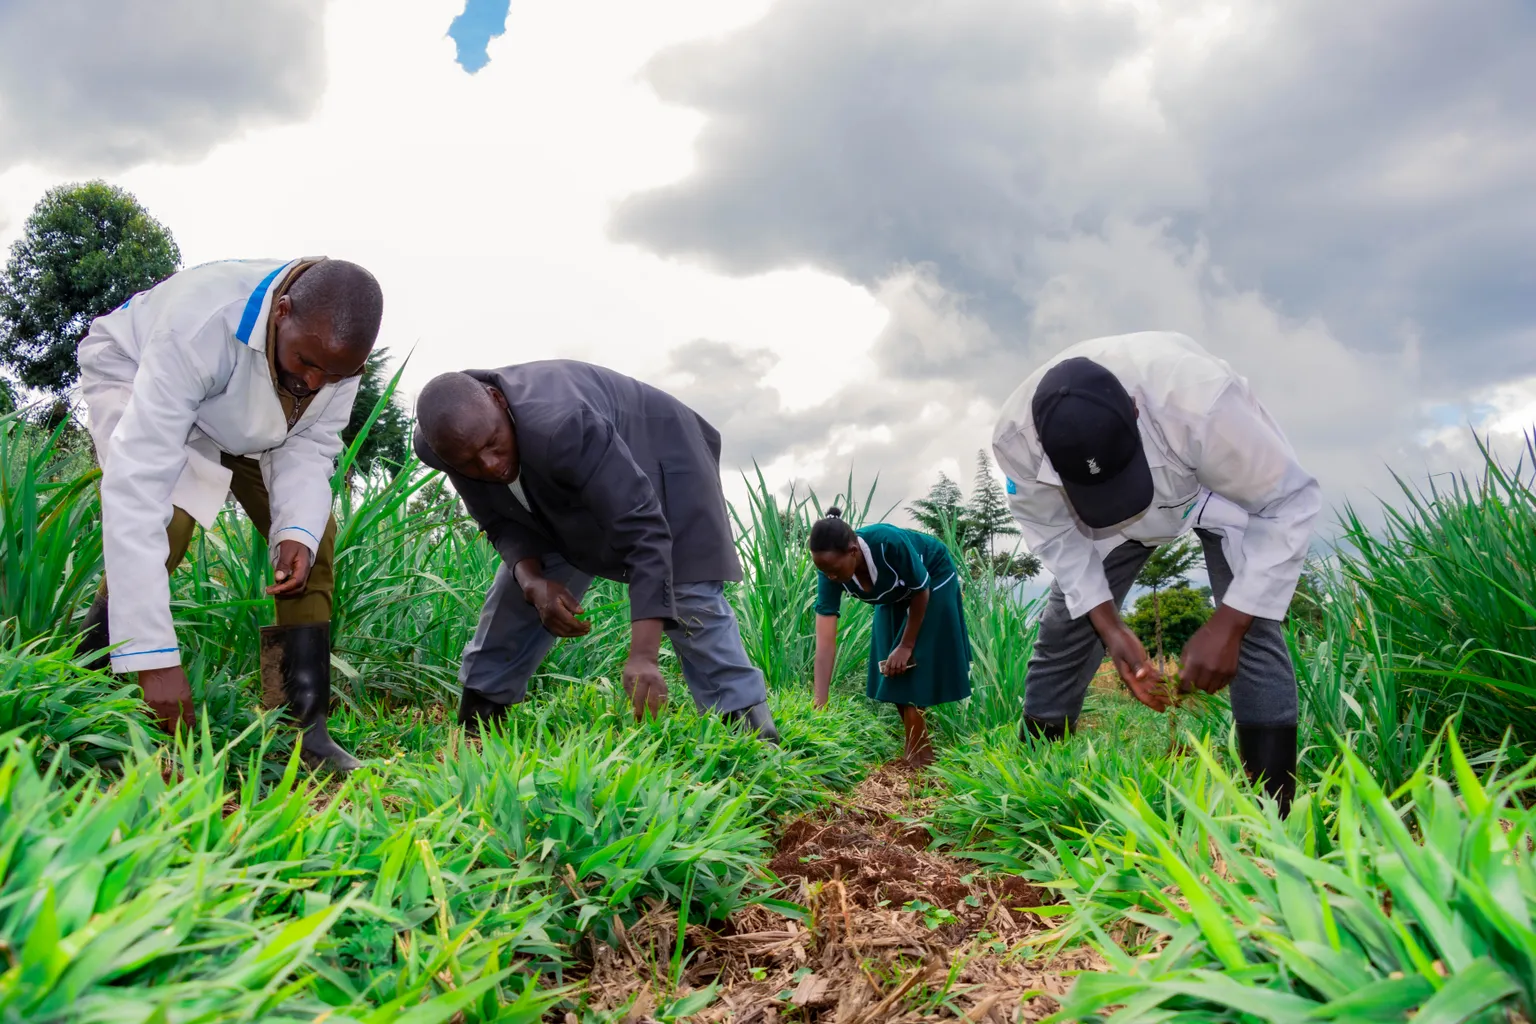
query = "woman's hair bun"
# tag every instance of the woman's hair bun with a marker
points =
(834, 513)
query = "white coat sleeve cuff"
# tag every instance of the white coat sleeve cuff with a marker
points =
(1087, 595)
(298, 533)
(1256, 599)
(142, 661)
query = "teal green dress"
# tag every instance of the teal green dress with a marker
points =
(906, 562)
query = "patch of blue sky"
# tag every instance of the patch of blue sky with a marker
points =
(472, 31)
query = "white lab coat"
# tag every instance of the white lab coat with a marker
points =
(1218, 462)
(172, 378)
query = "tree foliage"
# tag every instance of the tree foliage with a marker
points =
(388, 444)
(987, 510)
(969, 527)
(1168, 566)
(942, 512)
(1176, 611)
(1306, 608)
(1019, 565)
(85, 250)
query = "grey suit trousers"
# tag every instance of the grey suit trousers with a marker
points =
(1068, 651)
(510, 642)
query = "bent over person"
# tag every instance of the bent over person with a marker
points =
(574, 471)
(238, 375)
(1118, 445)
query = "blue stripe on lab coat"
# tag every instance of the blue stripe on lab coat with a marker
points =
(253, 307)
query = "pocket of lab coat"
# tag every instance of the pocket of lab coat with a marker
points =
(204, 482)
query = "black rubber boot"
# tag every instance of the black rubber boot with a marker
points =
(1042, 728)
(1269, 757)
(757, 718)
(296, 670)
(94, 626)
(475, 709)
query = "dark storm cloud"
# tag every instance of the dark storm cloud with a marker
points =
(861, 431)
(104, 84)
(1372, 163)
(859, 135)
(723, 383)
(1366, 164)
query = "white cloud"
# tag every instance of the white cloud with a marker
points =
(483, 203)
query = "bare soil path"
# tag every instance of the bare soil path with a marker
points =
(898, 934)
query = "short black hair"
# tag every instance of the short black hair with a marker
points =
(449, 403)
(831, 533)
(344, 295)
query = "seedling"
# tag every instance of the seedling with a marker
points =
(933, 917)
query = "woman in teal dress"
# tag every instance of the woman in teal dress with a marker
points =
(921, 653)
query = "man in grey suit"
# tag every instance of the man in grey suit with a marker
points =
(574, 471)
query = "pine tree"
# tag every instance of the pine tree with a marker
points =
(942, 512)
(388, 444)
(988, 509)
(1168, 566)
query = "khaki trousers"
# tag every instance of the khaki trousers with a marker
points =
(314, 605)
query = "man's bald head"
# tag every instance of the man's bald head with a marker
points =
(467, 423)
(451, 406)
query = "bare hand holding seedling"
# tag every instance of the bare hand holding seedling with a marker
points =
(642, 679)
(557, 607)
(646, 688)
(1138, 671)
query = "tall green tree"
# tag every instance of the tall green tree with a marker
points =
(942, 513)
(1169, 566)
(987, 510)
(85, 250)
(388, 443)
(1177, 613)
(1014, 565)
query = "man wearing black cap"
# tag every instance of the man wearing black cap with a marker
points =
(1118, 445)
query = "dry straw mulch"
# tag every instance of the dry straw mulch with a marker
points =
(862, 958)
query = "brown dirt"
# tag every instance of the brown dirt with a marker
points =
(859, 958)
(881, 860)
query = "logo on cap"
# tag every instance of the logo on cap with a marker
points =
(1093, 467)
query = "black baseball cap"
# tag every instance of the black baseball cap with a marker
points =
(1086, 422)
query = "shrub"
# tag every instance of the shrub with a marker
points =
(1183, 610)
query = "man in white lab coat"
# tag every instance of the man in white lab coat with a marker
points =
(232, 376)
(1118, 445)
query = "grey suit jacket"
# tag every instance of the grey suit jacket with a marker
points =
(623, 481)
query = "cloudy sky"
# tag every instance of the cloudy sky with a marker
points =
(845, 229)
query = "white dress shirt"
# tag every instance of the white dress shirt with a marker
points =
(1218, 462)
